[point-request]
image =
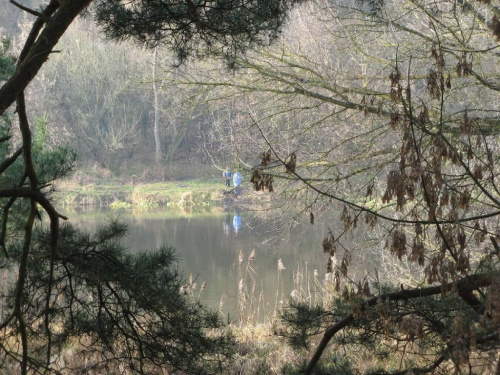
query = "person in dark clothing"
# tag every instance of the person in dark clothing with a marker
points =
(227, 175)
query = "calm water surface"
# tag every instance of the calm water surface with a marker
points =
(209, 247)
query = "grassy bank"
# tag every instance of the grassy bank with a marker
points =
(148, 195)
(186, 195)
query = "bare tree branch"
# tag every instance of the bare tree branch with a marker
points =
(478, 280)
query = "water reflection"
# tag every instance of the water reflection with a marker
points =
(232, 223)
(236, 222)
(240, 263)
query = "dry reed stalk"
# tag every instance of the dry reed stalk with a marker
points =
(243, 295)
(221, 305)
(241, 300)
(309, 296)
(250, 315)
(316, 283)
(202, 288)
(280, 267)
(261, 300)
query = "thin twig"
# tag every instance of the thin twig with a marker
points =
(29, 10)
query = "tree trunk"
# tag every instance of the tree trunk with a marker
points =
(39, 52)
(156, 128)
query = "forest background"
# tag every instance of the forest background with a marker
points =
(126, 115)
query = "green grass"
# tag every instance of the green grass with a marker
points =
(185, 194)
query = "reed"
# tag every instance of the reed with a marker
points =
(248, 304)
(307, 288)
(260, 349)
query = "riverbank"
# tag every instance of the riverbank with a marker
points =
(187, 195)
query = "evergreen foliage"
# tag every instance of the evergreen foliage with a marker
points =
(222, 27)
(6, 60)
(110, 307)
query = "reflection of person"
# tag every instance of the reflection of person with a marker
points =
(237, 179)
(227, 175)
(227, 225)
(236, 222)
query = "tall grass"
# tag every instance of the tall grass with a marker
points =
(261, 350)
(307, 288)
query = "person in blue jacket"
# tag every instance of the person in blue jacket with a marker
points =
(227, 175)
(237, 179)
